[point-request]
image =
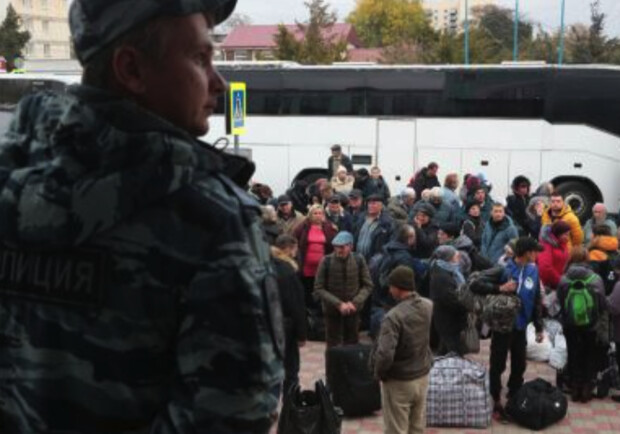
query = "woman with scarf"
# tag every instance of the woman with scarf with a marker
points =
(449, 314)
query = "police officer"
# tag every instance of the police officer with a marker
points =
(136, 294)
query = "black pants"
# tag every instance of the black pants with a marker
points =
(501, 343)
(291, 363)
(311, 302)
(582, 356)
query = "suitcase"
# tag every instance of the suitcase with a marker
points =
(350, 381)
(537, 405)
(458, 394)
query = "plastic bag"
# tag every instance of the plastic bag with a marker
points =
(470, 339)
(309, 412)
(538, 352)
(559, 354)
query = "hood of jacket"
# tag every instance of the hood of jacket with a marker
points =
(578, 271)
(463, 243)
(547, 237)
(566, 210)
(395, 246)
(74, 165)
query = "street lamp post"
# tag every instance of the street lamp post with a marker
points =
(515, 45)
(561, 49)
(466, 32)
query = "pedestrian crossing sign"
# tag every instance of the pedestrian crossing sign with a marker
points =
(236, 109)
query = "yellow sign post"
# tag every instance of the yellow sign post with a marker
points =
(236, 103)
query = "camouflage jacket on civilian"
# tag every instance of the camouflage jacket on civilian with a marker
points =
(136, 293)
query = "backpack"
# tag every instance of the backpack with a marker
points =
(374, 267)
(580, 306)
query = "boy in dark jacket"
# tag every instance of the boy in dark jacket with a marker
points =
(402, 356)
(520, 278)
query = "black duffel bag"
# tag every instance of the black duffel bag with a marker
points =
(309, 412)
(537, 405)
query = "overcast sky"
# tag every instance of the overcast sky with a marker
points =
(545, 12)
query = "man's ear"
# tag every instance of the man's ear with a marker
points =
(128, 66)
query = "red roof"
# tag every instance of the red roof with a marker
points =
(262, 36)
(365, 55)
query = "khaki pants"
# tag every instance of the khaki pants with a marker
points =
(404, 405)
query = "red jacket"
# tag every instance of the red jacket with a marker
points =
(552, 260)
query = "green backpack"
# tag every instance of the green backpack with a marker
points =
(581, 303)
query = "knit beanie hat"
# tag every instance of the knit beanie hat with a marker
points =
(403, 278)
(559, 228)
(444, 253)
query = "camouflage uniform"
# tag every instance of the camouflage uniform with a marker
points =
(136, 293)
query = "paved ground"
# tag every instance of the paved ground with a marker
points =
(599, 416)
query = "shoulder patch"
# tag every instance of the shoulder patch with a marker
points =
(75, 278)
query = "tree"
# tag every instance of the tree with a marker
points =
(287, 47)
(12, 40)
(590, 44)
(388, 23)
(236, 20)
(314, 45)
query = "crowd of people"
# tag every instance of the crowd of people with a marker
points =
(359, 252)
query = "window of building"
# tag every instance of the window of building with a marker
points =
(241, 55)
(47, 51)
(46, 26)
(44, 5)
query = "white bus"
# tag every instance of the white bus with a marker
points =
(547, 123)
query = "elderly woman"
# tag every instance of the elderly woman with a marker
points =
(449, 314)
(314, 238)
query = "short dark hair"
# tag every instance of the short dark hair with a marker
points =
(557, 194)
(336, 148)
(433, 165)
(601, 230)
(285, 240)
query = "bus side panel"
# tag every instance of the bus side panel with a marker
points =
(396, 143)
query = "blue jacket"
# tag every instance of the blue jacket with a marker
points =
(528, 289)
(494, 238)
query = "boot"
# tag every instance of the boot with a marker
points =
(586, 393)
(576, 392)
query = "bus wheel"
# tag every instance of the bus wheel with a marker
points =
(579, 196)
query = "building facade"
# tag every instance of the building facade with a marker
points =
(48, 24)
(257, 42)
(449, 15)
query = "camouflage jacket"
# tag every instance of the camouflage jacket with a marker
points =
(136, 293)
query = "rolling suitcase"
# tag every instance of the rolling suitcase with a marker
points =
(353, 387)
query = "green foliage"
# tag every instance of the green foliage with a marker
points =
(316, 47)
(590, 44)
(387, 23)
(12, 40)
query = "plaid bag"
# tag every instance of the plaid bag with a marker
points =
(458, 394)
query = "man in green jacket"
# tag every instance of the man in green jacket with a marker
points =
(402, 356)
(342, 284)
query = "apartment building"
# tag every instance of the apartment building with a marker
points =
(449, 15)
(48, 24)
